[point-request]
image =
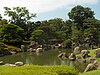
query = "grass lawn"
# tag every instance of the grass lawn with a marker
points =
(95, 72)
(38, 70)
(93, 55)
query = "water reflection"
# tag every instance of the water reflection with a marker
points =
(45, 58)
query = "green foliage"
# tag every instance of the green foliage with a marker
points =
(79, 13)
(82, 28)
(11, 34)
(84, 25)
(20, 16)
(67, 43)
(37, 35)
(38, 70)
(2, 46)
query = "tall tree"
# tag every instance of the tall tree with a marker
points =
(92, 30)
(37, 35)
(11, 34)
(79, 13)
(19, 16)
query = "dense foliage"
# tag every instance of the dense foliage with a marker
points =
(82, 28)
(38, 70)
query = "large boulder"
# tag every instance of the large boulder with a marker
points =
(97, 53)
(84, 53)
(77, 50)
(93, 65)
(23, 48)
(72, 57)
(39, 50)
(63, 55)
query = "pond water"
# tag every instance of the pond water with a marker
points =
(45, 58)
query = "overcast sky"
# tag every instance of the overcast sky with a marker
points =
(47, 9)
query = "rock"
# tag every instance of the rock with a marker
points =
(39, 50)
(91, 66)
(12, 65)
(97, 52)
(77, 50)
(63, 55)
(84, 53)
(32, 50)
(23, 48)
(13, 52)
(91, 60)
(1, 62)
(72, 57)
(19, 63)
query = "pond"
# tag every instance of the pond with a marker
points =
(45, 58)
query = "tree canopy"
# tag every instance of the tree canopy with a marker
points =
(81, 27)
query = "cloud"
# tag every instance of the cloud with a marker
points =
(41, 6)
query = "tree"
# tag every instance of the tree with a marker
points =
(79, 13)
(20, 16)
(92, 30)
(0, 17)
(37, 35)
(12, 34)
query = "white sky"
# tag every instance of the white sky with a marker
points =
(39, 6)
(42, 6)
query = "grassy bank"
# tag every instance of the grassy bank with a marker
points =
(92, 54)
(38, 70)
(95, 72)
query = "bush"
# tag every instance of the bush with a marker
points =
(38, 70)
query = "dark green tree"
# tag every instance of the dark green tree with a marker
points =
(92, 30)
(79, 13)
(20, 16)
(12, 34)
(37, 35)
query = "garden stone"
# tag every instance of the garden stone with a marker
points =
(77, 50)
(72, 57)
(97, 53)
(84, 53)
(19, 63)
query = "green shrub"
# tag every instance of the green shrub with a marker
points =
(38, 70)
